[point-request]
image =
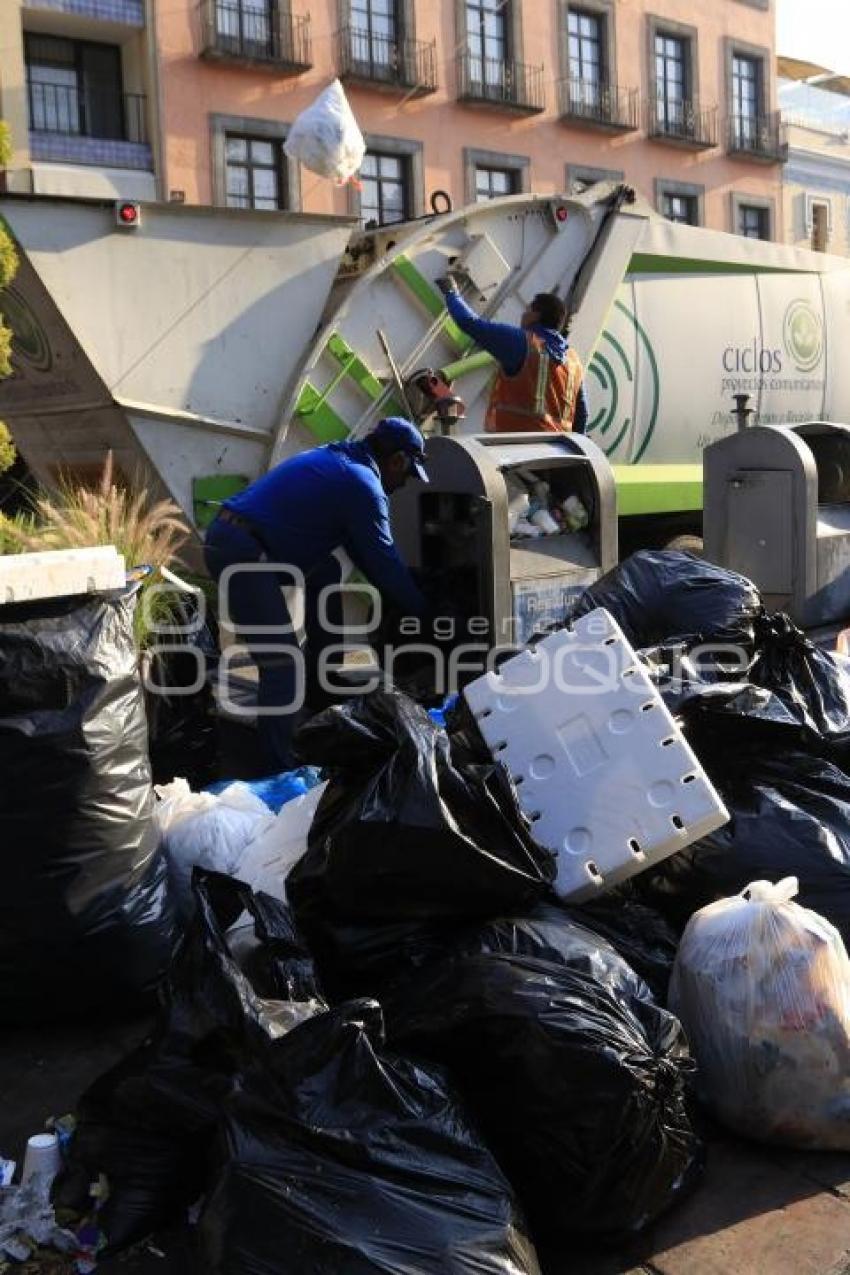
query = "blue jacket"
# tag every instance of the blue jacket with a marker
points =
(329, 497)
(509, 346)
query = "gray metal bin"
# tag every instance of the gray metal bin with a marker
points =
(777, 509)
(457, 528)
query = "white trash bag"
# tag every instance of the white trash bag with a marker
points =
(326, 138)
(233, 832)
(762, 987)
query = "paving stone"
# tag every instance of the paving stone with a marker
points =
(754, 1216)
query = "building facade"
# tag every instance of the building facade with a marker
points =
(472, 97)
(816, 191)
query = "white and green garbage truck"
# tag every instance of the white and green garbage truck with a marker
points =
(203, 345)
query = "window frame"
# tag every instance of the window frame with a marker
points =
(276, 166)
(82, 87)
(513, 25)
(404, 148)
(473, 159)
(606, 13)
(739, 199)
(689, 35)
(762, 57)
(582, 172)
(262, 130)
(687, 190)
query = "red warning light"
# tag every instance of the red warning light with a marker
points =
(561, 213)
(128, 213)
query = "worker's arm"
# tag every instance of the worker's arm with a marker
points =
(370, 542)
(507, 344)
(582, 412)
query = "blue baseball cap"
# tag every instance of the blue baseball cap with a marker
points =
(402, 435)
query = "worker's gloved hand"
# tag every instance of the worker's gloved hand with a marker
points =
(447, 284)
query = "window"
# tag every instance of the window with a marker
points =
(746, 98)
(753, 222)
(585, 37)
(374, 33)
(492, 182)
(254, 173)
(384, 197)
(246, 25)
(671, 81)
(820, 219)
(74, 86)
(580, 179)
(487, 41)
(681, 208)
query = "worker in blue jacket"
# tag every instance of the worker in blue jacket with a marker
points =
(295, 516)
(518, 350)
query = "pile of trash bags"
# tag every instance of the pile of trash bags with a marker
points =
(385, 1046)
(421, 1063)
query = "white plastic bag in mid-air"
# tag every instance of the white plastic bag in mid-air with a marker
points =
(762, 987)
(326, 138)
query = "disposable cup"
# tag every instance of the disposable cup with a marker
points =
(42, 1156)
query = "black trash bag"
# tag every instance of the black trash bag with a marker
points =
(342, 1159)
(790, 816)
(148, 1124)
(661, 595)
(639, 933)
(402, 834)
(812, 684)
(575, 1077)
(85, 915)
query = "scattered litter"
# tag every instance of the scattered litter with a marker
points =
(276, 790)
(762, 987)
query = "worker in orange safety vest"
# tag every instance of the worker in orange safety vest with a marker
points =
(540, 382)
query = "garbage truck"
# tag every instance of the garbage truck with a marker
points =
(203, 345)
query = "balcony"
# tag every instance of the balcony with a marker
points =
(404, 66)
(606, 107)
(510, 86)
(682, 123)
(270, 37)
(127, 13)
(757, 137)
(88, 126)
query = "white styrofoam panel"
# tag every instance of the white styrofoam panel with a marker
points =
(602, 770)
(59, 573)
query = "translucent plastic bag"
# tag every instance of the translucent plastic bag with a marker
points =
(762, 987)
(199, 829)
(326, 138)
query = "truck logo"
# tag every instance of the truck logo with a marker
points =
(611, 391)
(802, 332)
(28, 339)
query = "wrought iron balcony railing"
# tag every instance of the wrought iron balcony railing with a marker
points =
(406, 65)
(87, 112)
(757, 137)
(682, 122)
(514, 86)
(604, 106)
(251, 33)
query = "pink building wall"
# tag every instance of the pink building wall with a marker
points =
(193, 88)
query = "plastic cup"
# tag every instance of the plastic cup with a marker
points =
(42, 1157)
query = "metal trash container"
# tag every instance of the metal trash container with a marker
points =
(456, 530)
(777, 509)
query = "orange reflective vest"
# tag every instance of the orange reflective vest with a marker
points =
(541, 396)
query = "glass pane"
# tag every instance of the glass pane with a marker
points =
(262, 152)
(393, 196)
(238, 201)
(265, 185)
(390, 167)
(236, 148)
(54, 99)
(369, 167)
(266, 205)
(237, 181)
